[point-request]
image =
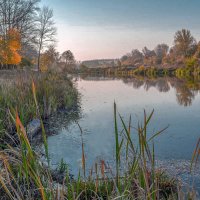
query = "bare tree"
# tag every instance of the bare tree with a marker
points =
(148, 53)
(45, 30)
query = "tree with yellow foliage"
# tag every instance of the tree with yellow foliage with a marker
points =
(49, 59)
(10, 45)
(16, 28)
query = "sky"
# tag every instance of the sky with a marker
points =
(100, 29)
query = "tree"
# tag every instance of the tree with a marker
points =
(197, 53)
(123, 59)
(184, 42)
(9, 48)
(53, 54)
(149, 56)
(18, 15)
(49, 58)
(133, 58)
(29, 54)
(148, 53)
(136, 57)
(16, 25)
(45, 30)
(68, 58)
(161, 51)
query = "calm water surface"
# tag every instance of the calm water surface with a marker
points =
(174, 104)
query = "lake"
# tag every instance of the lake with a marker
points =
(176, 103)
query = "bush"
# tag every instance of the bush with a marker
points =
(191, 63)
(26, 63)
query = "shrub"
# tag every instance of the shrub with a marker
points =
(191, 63)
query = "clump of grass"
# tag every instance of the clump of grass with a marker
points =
(141, 180)
(22, 176)
(62, 167)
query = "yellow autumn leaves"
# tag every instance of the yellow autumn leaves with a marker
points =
(10, 45)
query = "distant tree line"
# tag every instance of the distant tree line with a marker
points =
(185, 52)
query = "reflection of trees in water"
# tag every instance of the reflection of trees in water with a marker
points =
(128, 81)
(97, 77)
(137, 83)
(163, 85)
(149, 83)
(185, 96)
(62, 120)
(186, 89)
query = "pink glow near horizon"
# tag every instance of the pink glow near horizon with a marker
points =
(96, 43)
(101, 43)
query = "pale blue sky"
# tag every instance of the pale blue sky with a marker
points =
(110, 28)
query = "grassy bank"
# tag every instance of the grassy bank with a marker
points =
(161, 72)
(146, 71)
(54, 91)
(23, 176)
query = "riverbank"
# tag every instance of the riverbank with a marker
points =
(54, 92)
(146, 71)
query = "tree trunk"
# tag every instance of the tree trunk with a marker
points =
(39, 55)
(38, 61)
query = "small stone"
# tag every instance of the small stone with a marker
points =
(33, 128)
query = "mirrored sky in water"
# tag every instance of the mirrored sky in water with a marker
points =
(108, 29)
(132, 96)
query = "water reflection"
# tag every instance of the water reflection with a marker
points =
(186, 89)
(62, 120)
(132, 95)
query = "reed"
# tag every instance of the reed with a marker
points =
(195, 156)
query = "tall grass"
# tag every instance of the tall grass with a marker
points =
(23, 176)
(140, 159)
(54, 91)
